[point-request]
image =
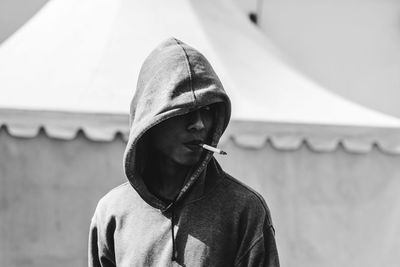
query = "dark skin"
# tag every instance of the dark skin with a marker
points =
(175, 150)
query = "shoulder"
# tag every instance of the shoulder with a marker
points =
(233, 188)
(116, 199)
(115, 193)
(245, 198)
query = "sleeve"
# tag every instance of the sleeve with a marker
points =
(262, 252)
(100, 248)
(257, 245)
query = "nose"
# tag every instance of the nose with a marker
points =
(196, 122)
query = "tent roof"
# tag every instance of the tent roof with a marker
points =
(75, 64)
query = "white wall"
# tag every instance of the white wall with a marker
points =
(330, 209)
(321, 202)
(48, 193)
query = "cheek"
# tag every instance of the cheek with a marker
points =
(164, 141)
(164, 137)
(208, 123)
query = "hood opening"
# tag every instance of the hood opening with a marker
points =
(144, 157)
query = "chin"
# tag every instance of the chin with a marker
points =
(189, 160)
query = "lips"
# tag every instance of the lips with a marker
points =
(194, 142)
(194, 145)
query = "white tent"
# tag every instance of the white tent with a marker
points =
(327, 167)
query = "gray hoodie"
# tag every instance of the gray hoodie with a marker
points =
(215, 220)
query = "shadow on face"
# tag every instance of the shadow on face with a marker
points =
(178, 138)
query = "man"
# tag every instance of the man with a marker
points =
(179, 208)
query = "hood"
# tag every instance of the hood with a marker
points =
(174, 79)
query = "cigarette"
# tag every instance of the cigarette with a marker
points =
(213, 149)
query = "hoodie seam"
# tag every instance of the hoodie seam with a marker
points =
(195, 175)
(189, 70)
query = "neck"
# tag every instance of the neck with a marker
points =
(165, 177)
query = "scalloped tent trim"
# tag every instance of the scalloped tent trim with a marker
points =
(245, 134)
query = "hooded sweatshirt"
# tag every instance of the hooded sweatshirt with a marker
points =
(215, 220)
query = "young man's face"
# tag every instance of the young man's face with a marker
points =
(178, 138)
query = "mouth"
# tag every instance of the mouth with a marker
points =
(195, 142)
(194, 145)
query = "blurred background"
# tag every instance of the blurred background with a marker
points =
(315, 125)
